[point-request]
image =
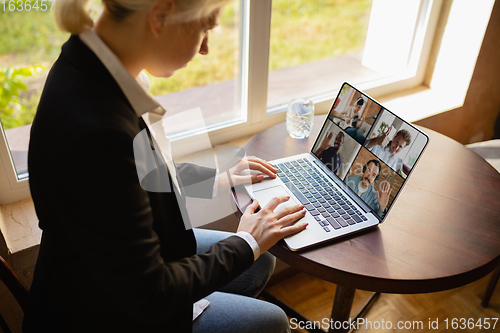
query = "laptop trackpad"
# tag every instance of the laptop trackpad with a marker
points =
(265, 195)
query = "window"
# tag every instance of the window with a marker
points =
(211, 82)
(314, 45)
(248, 86)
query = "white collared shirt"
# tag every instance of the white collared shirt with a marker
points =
(383, 153)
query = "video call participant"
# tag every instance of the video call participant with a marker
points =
(329, 154)
(353, 120)
(351, 111)
(363, 186)
(387, 150)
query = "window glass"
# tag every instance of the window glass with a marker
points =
(29, 44)
(315, 46)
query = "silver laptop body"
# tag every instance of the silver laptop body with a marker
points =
(333, 183)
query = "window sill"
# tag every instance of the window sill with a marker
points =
(19, 226)
(421, 102)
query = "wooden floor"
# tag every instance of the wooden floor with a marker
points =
(314, 299)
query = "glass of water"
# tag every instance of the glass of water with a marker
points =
(299, 118)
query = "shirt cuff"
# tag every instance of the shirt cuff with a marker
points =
(251, 241)
(199, 307)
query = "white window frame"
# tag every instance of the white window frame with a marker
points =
(12, 189)
(408, 95)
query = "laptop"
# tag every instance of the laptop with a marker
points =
(351, 178)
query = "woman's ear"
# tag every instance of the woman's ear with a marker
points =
(160, 12)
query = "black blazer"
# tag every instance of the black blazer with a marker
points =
(113, 257)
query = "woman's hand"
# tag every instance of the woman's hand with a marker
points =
(235, 177)
(267, 226)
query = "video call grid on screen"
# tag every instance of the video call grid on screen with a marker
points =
(367, 147)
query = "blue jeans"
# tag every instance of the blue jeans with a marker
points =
(233, 308)
(354, 133)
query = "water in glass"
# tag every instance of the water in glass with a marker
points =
(299, 118)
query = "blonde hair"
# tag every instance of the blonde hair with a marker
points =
(73, 15)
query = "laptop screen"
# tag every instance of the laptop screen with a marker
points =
(369, 148)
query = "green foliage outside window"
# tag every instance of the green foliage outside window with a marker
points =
(11, 82)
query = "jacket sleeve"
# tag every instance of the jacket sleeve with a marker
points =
(197, 181)
(108, 219)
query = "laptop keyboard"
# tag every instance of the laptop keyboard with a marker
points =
(322, 200)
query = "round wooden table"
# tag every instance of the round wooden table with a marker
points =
(443, 231)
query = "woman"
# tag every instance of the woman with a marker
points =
(113, 256)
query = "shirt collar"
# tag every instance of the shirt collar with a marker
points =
(138, 97)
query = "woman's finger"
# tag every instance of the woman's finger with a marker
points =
(291, 218)
(256, 178)
(274, 202)
(291, 227)
(282, 212)
(252, 208)
(247, 179)
(260, 167)
(262, 162)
